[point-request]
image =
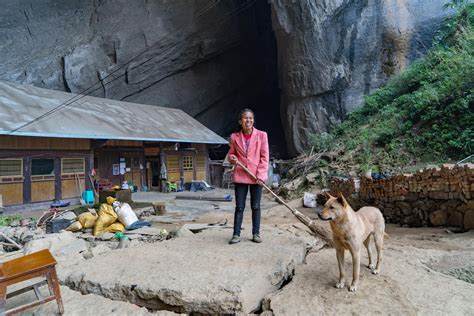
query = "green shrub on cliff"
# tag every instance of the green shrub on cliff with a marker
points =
(426, 114)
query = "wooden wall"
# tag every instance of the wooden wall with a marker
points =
(106, 161)
(200, 167)
(72, 187)
(124, 143)
(108, 157)
(32, 143)
(188, 176)
(173, 167)
(12, 193)
(174, 164)
(135, 177)
(45, 188)
(42, 190)
(152, 151)
(25, 187)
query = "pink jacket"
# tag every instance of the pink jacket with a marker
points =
(256, 159)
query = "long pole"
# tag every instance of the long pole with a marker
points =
(93, 186)
(300, 216)
(11, 241)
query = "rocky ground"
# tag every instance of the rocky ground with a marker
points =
(416, 279)
(425, 270)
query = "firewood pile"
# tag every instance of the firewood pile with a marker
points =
(433, 196)
(442, 183)
(344, 185)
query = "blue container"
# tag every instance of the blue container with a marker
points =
(88, 196)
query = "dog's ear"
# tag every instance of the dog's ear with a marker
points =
(342, 200)
(328, 195)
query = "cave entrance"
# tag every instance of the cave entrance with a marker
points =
(253, 72)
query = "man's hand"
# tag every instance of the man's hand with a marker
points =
(233, 159)
(259, 182)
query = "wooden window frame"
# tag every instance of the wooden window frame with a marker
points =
(21, 169)
(188, 164)
(66, 158)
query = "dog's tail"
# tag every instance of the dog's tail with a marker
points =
(386, 235)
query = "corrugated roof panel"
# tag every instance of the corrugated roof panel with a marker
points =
(95, 118)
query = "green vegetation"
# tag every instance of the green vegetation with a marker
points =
(424, 115)
(5, 220)
(456, 4)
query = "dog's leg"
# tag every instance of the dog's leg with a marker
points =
(379, 246)
(371, 266)
(355, 252)
(340, 260)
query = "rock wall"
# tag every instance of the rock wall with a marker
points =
(437, 197)
(212, 58)
(209, 58)
(333, 52)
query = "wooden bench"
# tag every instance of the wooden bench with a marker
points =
(37, 264)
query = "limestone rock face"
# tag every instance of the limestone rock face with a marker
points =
(213, 58)
(333, 52)
(201, 56)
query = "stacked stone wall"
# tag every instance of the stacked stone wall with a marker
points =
(442, 196)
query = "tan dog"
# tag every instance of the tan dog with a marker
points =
(351, 229)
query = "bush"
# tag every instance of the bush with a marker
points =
(424, 114)
(321, 142)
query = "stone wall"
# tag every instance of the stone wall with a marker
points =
(442, 196)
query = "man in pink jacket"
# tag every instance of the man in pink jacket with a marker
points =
(250, 147)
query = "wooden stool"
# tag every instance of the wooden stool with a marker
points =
(37, 264)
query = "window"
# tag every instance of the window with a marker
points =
(187, 163)
(11, 167)
(72, 165)
(132, 162)
(42, 167)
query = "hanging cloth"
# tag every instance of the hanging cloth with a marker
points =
(163, 172)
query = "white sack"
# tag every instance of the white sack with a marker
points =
(126, 215)
(309, 200)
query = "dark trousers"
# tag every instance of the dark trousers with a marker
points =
(240, 198)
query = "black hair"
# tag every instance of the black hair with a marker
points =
(239, 128)
(245, 111)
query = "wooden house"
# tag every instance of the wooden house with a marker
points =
(51, 141)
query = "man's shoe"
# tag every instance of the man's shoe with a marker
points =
(256, 238)
(235, 239)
